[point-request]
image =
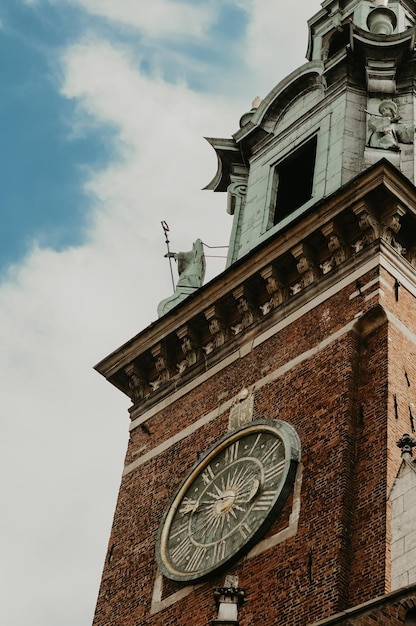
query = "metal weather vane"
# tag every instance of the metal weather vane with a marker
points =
(169, 253)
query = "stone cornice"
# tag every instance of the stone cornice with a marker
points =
(281, 271)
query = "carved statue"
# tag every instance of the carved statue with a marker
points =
(385, 130)
(191, 265)
(191, 269)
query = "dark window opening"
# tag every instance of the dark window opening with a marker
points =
(338, 41)
(294, 180)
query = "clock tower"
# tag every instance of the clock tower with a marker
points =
(269, 476)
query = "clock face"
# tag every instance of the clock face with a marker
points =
(228, 500)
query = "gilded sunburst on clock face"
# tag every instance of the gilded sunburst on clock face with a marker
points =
(228, 499)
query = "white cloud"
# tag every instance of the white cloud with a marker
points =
(158, 18)
(64, 428)
(277, 39)
(163, 160)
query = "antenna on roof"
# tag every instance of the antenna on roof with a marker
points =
(169, 254)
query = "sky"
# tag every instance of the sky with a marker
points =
(103, 109)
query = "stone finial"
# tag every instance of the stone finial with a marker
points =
(247, 116)
(406, 444)
(228, 600)
(381, 20)
(256, 102)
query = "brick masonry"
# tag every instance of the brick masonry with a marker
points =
(340, 399)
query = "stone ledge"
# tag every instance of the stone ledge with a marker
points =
(336, 236)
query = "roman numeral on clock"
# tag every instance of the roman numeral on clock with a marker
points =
(231, 453)
(245, 530)
(275, 471)
(271, 450)
(264, 502)
(207, 475)
(196, 559)
(220, 550)
(179, 529)
(181, 551)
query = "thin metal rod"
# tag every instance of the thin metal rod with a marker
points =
(166, 230)
(207, 246)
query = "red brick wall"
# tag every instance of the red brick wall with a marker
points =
(340, 400)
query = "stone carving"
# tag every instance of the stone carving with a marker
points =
(266, 307)
(160, 356)
(335, 243)
(406, 444)
(238, 328)
(245, 307)
(241, 412)
(327, 265)
(411, 256)
(137, 383)
(208, 348)
(189, 346)
(398, 246)
(384, 228)
(358, 245)
(275, 287)
(182, 366)
(296, 288)
(386, 130)
(306, 267)
(191, 265)
(155, 384)
(191, 270)
(217, 329)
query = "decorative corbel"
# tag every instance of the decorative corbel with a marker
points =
(411, 256)
(245, 306)
(385, 228)
(390, 223)
(189, 346)
(161, 360)
(275, 288)
(137, 382)
(327, 265)
(368, 223)
(236, 191)
(335, 243)
(305, 265)
(217, 329)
